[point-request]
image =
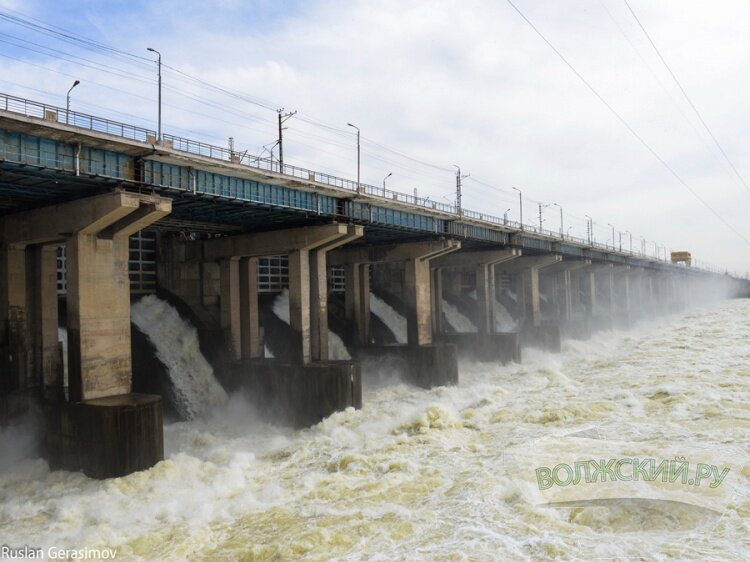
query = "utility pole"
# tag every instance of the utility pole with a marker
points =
(541, 220)
(589, 227)
(520, 206)
(158, 62)
(283, 117)
(459, 177)
(359, 185)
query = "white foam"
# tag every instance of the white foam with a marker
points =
(422, 474)
(176, 343)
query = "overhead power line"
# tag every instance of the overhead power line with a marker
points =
(628, 126)
(687, 98)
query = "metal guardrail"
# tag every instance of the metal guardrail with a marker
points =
(85, 121)
(60, 115)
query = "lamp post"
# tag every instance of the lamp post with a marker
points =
(505, 215)
(520, 206)
(385, 178)
(358, 161)
(158, 66)
(613, 235)
(562, 227)
(67, 101)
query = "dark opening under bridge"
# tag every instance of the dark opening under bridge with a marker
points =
(89, 185)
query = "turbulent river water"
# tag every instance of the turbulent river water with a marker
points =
(422, 474)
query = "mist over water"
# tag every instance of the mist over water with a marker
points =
(422, 474)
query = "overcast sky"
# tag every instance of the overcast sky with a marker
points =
(438, 83)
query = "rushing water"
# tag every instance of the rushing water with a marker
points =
(422, 474)
(457, 320)
(176, 342)
(336, 349)
(504, 321)
(390, 317)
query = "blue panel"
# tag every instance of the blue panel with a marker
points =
(535, 243)
(477, 232)
(569, 250)
(383, 215)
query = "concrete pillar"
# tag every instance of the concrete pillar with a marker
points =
(566, 295)
(589, 290)
(47, 366)
(351, 292)
(357, 299)
(299, 305)
(252, 340)
(485, 280)
(15, 372)
(230, 306)
(98, 316)
(531, 288)
(418, 305)
(437, 300)
(363, 327)
(318, 306)
(520, 290)
(605, 289)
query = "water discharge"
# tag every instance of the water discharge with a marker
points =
(457, 320)
(504, 322)
(422, 474)
(336, 349)
(395, 322)
(176, 342)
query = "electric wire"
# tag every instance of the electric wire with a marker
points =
(687, 98)
(628, 126)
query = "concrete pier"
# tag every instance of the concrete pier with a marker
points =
(526, 271)
(234, 309)
(430, 364)
(486, 344)
(95, 233)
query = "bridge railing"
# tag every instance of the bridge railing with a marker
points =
(59, 115)
(56, 114)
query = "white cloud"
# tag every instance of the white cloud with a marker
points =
(470, 83)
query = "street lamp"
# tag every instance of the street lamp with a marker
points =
(67, 101)
(358, 161)
(562, 227)
(505, 215)
(385, 178)
(520, 206)
(158, 66)
(613, 235)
